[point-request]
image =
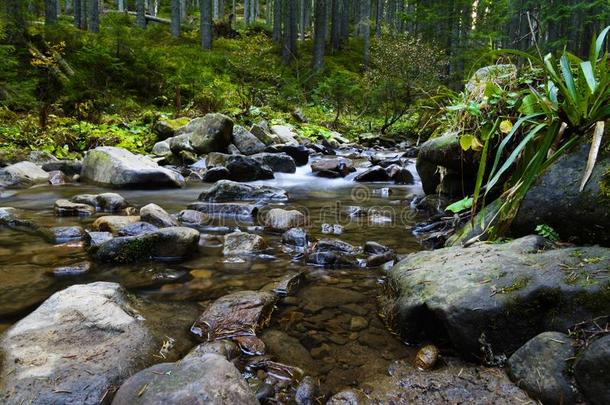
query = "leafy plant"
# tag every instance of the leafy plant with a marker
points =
(547, 232)
(574, 99)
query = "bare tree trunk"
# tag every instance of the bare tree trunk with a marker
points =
(277, 20)
(365, 29)
(345, 17)
(215, 7)
(320, 33)
(335, 33)
(206, 23)
(140, 14)
(121, 5)
(175, 28)
(94, 16)
(378, 17)
(83, 14)
(183, 10)
(247, 11)
(50, 12)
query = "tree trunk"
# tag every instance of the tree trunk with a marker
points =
(247, 11)
(378, 17)
(50, 12)
(94, 16)
(76, 11)
(365, 27)
(205, 8)
(121, 5)
(16, 25)
(83, 14)
(320, 28)
(335, 33)
(140, 14)
(345, 14)
(175, 28)
(277, 20)
(215, 8)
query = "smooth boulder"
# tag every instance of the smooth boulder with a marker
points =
(540, 368)
(171, 244)
(278, 162)
(242, 243)
(244, 168)
(592, 371)
(228, 191)
(278, 219)
(333, 167)
(155, 215)
(76, 348)
(117, 167)
(501, 294)
(22, 174)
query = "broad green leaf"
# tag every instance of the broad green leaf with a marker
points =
(599, 43)
(568, 77)
(460, 206)
(469, 141)
(587, 70)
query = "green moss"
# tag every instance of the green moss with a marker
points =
(518, 284)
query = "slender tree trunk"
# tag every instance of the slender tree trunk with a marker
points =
(335, 33)
(247, 11)
(94, 16)
(277, 20)
(234, 10)
(215, 8)
(365, 26)
(16, 24)
(320, 33)
(83, 14)
(140, 14)
(221, 9)
(121, 5)
(183, 10)
(58, 7)
(378, 17)
(67, 7)
(50, 12)
(175, 28)
(206, 24)
(345, 16)
(76, 11)
(302, 19)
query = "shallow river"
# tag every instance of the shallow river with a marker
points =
(332, 322)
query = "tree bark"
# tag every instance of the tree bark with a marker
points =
(83, 14)
(206, 23)
(335, 33)
(140, 14)
(247, 11)
(345, 17)
(50, 12)
(320, 33)
(175, 27)
(121, 5)
(365, 26)
(94, 16)
(277, 20)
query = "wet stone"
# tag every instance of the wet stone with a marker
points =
(73, 270)
(65, 208)
(137, 228)
(64, 234)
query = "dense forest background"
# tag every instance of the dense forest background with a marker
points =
(78, 73)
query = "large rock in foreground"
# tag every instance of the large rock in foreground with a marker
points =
(118, 167)
(592, 371)
(227, 191)
(555, 200)
(197, 379)
(76, 348)
(497, 296)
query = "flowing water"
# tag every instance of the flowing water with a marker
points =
(330, 328)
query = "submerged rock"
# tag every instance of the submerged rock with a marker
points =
(174, 243)
(540, 368)
(77, 347)
(118, 167)
(242, 243)
(227, 191)
(242, 313)
(296, 237)
(496, 297)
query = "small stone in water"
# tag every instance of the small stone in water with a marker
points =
(74, 270)
(201, 273)
(358, 323)
(332, 229)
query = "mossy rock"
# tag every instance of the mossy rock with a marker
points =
(507, 292)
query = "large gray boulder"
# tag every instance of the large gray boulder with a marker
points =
(245, 168)
(285, 134)
(22, 174)
(211, 133)
(278, 162)
(76, 348)
(555, 200)
(592, 371)
(280, 220)
(496, 296)
(173, 243)
(117, 167)
(227, 191)
(246, 142)
(153, 214)
(199, 378)
(242, 243)
(540, 368)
